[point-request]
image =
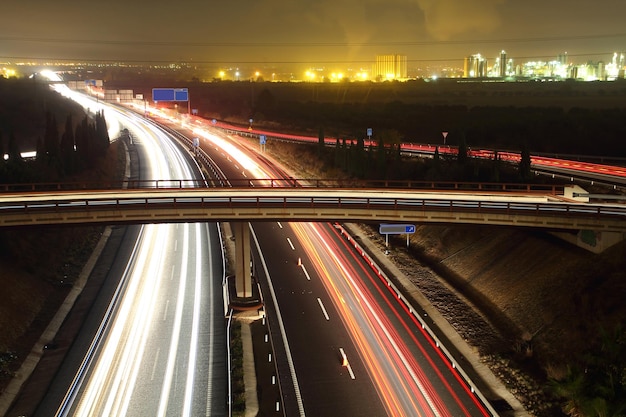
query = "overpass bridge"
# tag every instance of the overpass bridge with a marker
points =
(273, 201)
(556, 209)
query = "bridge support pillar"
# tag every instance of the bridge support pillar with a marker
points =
(243, 273)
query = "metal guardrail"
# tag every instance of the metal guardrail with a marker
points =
(383, 185)
(266, 199)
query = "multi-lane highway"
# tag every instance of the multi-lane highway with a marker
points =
(349, 345)
(345, 342)
(160, 347)
(353, 347)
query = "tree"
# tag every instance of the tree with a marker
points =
(320, 142)
(51, 137)
(462, 152)
(41, 156)
(381, 159)
(101, 135)
(67, 147)
(359, 157)
(13, 150)
(15, 162)
(337, 153)
(597, 386)
(265, 103)
(81, 139)
(524, 163)
(495, 168)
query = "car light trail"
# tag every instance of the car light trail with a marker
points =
(366, 328)
(405, 386)
(143, 350)
(410, 323)
(119, 361)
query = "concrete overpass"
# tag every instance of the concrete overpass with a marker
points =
(564, 213)
(306, 204)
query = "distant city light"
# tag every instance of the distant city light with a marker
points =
(501, 66)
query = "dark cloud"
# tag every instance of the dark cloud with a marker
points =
(302, 31)
(447, 18)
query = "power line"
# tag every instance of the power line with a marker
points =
(272, 62)
(308, 44)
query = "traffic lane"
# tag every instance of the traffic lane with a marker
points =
(111, 378)
(424, 361)
(326, 386)
(208, 374)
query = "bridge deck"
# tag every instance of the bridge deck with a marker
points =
(306, 204)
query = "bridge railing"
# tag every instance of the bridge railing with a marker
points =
(544, 189)
(128, 200)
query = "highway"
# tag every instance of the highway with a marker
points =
(356, 348)
(333, 303)
(594, 172)
(160, 347)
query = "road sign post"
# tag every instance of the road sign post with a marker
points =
(262, 142)
(396, 229)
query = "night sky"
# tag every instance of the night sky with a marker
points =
(308, 32)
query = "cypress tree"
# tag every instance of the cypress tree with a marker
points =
(13, 150)
(67, 147)
(462, 152)
(320, 142)
(381, 159)
(101, 134)
(337, 153)
(51, 139)
(524, 163)
(495, 169)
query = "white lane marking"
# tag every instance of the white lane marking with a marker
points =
(167, 306)
(280, 224)
(212, 324)
(195, 325)
(346, 363)
(175, 245)
(166, 390)
(156, 360)
(290, 244)
(308, 277)
(172, 273)
(323, 308)
(292, 368)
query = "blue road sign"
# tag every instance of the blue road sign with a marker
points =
(181, 94)
(170, 94)
(396, 229)
(262, 139)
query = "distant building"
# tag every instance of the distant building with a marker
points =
(502, 62)
(390, 67)
(475, 66)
